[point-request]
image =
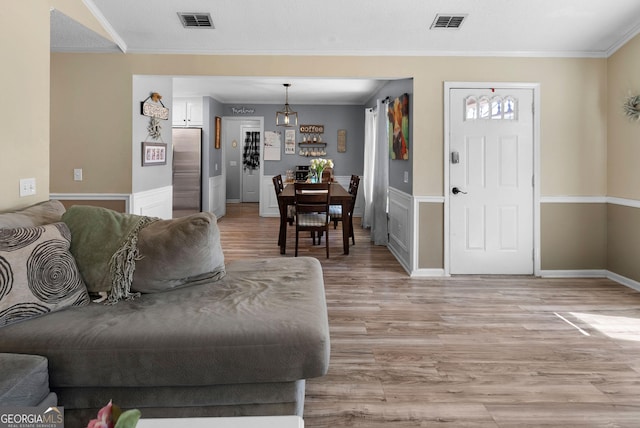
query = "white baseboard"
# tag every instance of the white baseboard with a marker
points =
(595, 273)
(586, 273)
(624, 280)
(428, 273)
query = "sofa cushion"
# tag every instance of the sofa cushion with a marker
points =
(38, 274)
(178, 252)
(24, 379)
(36, 215)
(265, 321)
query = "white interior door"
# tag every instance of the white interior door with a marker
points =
(250, 180)
(491, 181)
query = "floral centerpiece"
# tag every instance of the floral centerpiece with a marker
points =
(110, 416)
(317, 167)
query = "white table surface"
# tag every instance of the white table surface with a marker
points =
(235, 422)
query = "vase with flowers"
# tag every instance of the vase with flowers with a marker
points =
(317, 168)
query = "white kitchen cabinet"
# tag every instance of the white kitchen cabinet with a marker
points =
(187, 112)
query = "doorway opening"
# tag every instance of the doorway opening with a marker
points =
(243, 158)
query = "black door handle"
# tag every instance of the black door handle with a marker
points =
(455, 191)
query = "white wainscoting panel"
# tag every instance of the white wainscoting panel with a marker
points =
(217, 200)
(400, 227)
(268, 200)
(154, 203)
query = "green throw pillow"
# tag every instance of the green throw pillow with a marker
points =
(104, 244)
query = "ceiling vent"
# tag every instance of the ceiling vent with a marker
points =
(447, 21)
(196, 20)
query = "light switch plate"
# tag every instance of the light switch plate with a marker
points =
(77, 174)
(27, 186)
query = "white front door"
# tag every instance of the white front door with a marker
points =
(491, 181)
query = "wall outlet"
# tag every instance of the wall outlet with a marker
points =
(27, 186)
(77, 174)
(406, 176)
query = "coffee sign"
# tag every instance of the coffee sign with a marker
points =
(312, 129)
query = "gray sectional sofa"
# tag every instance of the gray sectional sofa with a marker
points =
(240, 344)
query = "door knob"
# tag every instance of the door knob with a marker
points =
(455, 191)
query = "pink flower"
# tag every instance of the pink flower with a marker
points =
(104, 418)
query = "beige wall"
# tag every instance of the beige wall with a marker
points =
(431, 236)
(91, 114)
(623, 159)
(623, 155)
(573, 138)
(24, 85)
(623, 249)
(573, 236)
(91, 125)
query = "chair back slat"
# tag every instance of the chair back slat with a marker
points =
(312, 210)
(278, 185)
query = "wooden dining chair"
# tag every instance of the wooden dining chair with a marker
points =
(312, 210)
(278, 186)
(335, 211)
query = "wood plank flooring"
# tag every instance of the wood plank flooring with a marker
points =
(470, 351)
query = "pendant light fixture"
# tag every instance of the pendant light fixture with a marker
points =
(286, 117)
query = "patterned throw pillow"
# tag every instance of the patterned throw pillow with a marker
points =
(38, 274)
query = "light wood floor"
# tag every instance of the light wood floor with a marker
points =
(464, 351)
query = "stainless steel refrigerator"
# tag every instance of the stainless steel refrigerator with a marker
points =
(187, 171)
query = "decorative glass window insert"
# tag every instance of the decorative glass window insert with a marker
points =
(495, 108)
(483, 108)
(471, 108)
(509, 108)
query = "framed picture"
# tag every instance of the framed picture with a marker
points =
(154, 154)
(216, 142)
(290, 142)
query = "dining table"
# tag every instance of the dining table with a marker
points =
(339, 196)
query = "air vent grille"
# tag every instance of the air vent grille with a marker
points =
(195, 20)
(447, 21)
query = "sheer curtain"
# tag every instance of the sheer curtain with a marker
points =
(370, 120)
(376, 174)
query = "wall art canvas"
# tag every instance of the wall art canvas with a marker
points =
(398, 113)
(290, 142)
(272, 145)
